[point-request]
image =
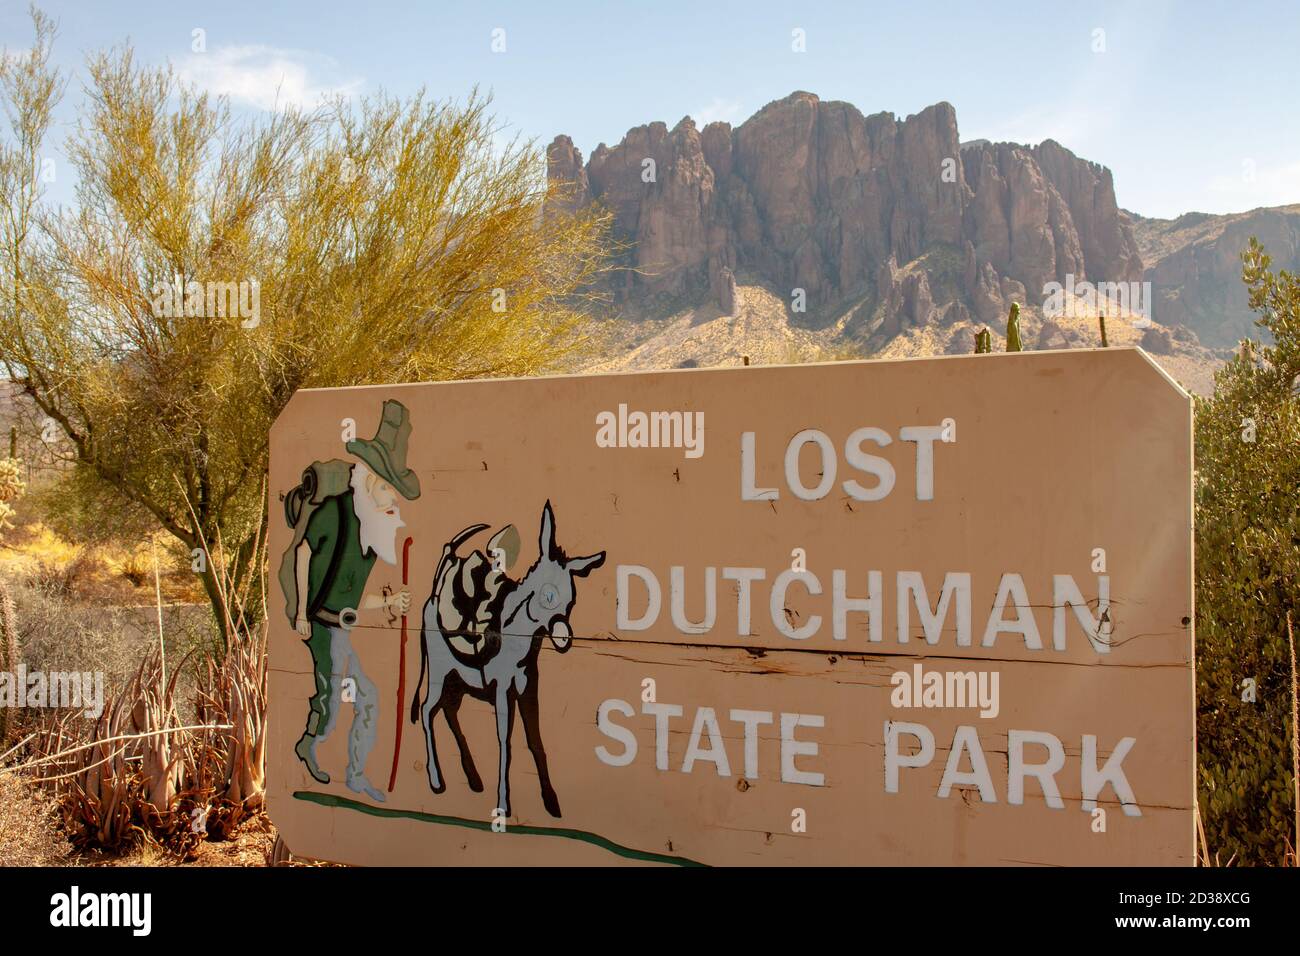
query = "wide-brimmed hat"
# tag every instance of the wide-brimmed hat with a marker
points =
(386, 452)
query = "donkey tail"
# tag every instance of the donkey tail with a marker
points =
(424, 663)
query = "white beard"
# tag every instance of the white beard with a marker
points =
(378, 528)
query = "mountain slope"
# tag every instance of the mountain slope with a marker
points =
(760, 331)
(1194, 266)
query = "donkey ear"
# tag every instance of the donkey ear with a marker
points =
(580, 567)
(507, 542)
(546, 539)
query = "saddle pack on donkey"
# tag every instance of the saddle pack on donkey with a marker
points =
(470, 591)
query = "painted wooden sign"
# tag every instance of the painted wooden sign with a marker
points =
(933, 611)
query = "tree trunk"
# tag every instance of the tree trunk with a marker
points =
(212, 588)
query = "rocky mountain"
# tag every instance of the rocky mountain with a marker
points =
(869, 226)
(1193, 264)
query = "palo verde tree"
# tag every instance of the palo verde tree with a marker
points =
(212, 264)
(1248, 579)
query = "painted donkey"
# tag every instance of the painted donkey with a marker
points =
(481, 636)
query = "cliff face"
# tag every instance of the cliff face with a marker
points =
(1194, 266)
(894, 223)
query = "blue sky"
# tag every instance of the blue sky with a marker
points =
(1191, 104)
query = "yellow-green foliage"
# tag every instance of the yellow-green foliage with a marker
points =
(390, 240)
(1248, 577)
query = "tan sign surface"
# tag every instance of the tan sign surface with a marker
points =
(931, 611)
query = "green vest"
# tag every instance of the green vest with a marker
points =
(337, 573)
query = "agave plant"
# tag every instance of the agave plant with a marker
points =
(119, 778)
(234, 691)
(233, 694)
(138, 772)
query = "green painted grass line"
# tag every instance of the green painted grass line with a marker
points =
(582, 836)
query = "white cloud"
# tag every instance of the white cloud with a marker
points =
(268, 78)
(717, 111)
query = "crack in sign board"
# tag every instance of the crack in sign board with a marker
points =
(1006, 517)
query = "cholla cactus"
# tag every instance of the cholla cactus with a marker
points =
(11, 486)
(8, 646)
(1013, 329)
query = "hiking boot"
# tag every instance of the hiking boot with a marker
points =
(358, 783)
(305, 748)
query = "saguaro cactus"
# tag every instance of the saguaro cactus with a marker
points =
(1013, 329)
(1101, 318)
(983, 342)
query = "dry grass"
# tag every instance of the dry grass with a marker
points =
(29, 827)
(61, 634)
(103, 574)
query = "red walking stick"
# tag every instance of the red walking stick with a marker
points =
(401, 670)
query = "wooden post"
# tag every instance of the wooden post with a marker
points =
(1295, 740)
(279, 855)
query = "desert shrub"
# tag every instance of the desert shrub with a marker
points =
(182, 731)
(1248, 578)
(56, 633)
(73, 505)
(138, 568)
(181, 737)
(62, 579)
